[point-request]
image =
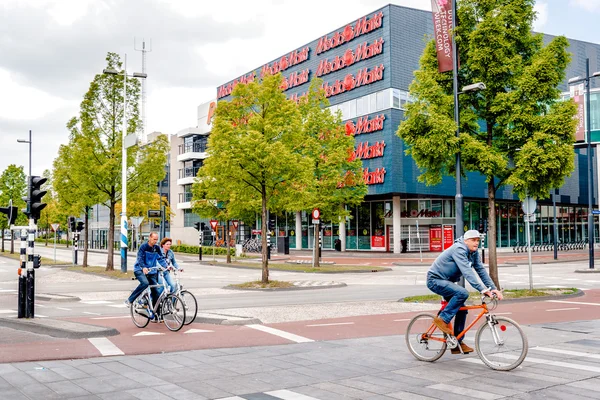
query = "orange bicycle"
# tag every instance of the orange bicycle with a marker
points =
(500, 342)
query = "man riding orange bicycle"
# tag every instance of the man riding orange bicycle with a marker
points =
(458, 261)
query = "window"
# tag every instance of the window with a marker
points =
(352, 109)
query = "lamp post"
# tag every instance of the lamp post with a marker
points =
(586, 80)
(124, 227)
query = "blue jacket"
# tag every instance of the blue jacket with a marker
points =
(170, 256)
(457, 261)
(148, 257)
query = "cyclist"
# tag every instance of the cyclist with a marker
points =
(459, 260)
(165, 246)
(149, 256)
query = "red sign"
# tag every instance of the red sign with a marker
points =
(448, 236)
(295, 79)
(256, 231)
(316, 213)
(377, 242)
(435, 238)
(213, 224)
(364, 151)
(294, 58)
(375, 177)
(365, 125)
(226, 90)
(235, 223)
(363, 25)
(424, 213)
(577, 95)
(442, 28)
(351, 82)
(363, 51)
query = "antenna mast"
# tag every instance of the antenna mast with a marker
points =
(144, 49)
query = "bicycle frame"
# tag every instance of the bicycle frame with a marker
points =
(484, 311)
(165, 292)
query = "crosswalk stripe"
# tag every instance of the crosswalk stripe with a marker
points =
(546, 362)
(573, 302)
(567, 352)
(283, 334)
(337, 323)
(105, 346)
(289, 395)
(563, 309)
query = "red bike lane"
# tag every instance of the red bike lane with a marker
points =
(156, 338)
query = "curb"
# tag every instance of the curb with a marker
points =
(58, 328)
(587, 271)
(218, 264)
(334, 285)
(56, 297)
(224, 319)
(505, 265)
(578, 293)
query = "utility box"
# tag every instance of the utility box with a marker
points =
(283, 244)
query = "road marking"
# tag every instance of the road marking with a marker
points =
(289, 395)
(96, 302)
(7, 290)
(193, 330)
(563, 309)
(122, 316)
(7, 311)
(573, 302)
(232, 398)
(40, 305)
(283, 334)
(40, 315)
(503, 313)
(541, 361)
(567, 352)
(402, 320)
(337, 323)
(91, 313)
(62, 308)
(148, 334)
(105, 347)
(117, 305)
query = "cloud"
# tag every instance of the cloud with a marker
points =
(588, 5)
(541, 9)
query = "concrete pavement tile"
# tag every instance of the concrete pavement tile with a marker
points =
(583, 388)
(14, 394)
(145, 363)
(293, 359)
(344, 390)
(177, 392)
(319, 393)
(276, 363)
(563, 373)
(46, 375)
(51, 364)
(393, 385)
(430, 370)
(205, 390)
(19, 379)
(286, 378)
(360, 384)
(378, 397)
(240, 385)
(95, 385)
(327, 371)
(177, 375)
(76, 362)
(409, 396)
(67, 389)
(120, 382)
(560, 393)
(486, 385)
(517, 383)
(88, 397)
(466, 391)
(117, 396)
(244, 367)
(7, 369)
(181, 359)
(39, 391)
(541, 377)
(95, 370)
(434, 393)
(205, 372)
(158, 361)
(70, 372)
(26, 366)
(148, 394)
(144, 378)
(406, 380)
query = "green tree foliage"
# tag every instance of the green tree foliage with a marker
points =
(13, 186)
(90, 165)
(516, 132)
(52, 213)
(256, 162)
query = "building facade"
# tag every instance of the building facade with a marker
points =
(367, 67)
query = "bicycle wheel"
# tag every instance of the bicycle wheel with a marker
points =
(503, 345)
(173, 312)
(423, 339)
(139, 311)
(190, 304)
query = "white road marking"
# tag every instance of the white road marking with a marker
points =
(197, 331)
(122, 316)
(117, 305)
(546, 362)
(105, 347)
(40, 315)
(7, 290)
(289, 395)
(283, 334)
(40, 305)
(91, 313)
(62, 308)
(402, 320)
(557, 287)
(148, 334)
(563, 309)
(573, 302)
(338, 323)
(8, 311)
(503, 313)
(567, 352)
(96, 302)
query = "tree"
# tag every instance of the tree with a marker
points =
(13, 186)
(517, 131)
(256, 162)
(95, 146)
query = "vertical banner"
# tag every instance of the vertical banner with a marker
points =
(442, 30)
(578, 97)
(448, 236)
(435, 238)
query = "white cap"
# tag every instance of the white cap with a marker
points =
(472, 234)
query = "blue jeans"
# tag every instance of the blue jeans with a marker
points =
(169, 279)
(145, 281)
(456, 296)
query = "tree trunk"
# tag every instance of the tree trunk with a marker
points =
(491, 236)
(68, 236)
(263, 230)
(227, 246)
(111, 237)
(85, 237)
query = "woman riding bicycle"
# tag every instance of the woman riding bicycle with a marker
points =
(165, 246)
(456, 261)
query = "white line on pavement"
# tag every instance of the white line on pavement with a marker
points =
(283, 334)
(403, 319)
(563, 309)
(105, 346)
(96, 302)
(337, 323)
(7, 311)
(542, 361)
(567, 352)
(573, 302)
(62, 308)
(288, 395)
(122, 316)
(40, 305)
(91, 313)
(502, 313)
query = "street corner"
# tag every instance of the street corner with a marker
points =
(293, 285)
(58, 328)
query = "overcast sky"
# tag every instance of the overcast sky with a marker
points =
(50, 50)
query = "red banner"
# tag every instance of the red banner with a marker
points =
(435, 238)
(442, 28)
(377, 242)
(578, 98)
(448, 236)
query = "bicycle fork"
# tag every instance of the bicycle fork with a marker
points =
(493, 324)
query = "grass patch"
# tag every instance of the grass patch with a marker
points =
(306, 267)
(101, 271)
(45, 261)
(508, 294)
(262, 285)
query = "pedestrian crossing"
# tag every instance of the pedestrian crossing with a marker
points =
(275, 394)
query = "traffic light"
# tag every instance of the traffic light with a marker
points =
(79, 226)
(72, 225)
(34, 200)
(11, 213)
(271, 224)
(37, 261)
(197, 225)
(202, 225)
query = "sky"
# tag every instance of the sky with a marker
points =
(50, 51)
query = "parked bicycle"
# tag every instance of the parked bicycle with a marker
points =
(500, 342)
(188, 299)
(169, 307)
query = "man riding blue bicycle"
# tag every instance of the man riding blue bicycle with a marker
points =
(148, 257)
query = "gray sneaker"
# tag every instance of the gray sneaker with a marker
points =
(127, 303)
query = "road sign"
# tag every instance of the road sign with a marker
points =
(529, 205)
(595, 212)
(235, 223)
(316, 214)
(154, 214)
(54, 227)
(316, 221)
(213, 224)
(136, 221)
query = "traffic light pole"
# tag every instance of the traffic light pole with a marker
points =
(200, 235)
(22, 302)
(30, 301)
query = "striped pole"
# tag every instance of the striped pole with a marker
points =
(22, 276)
(124, 243)
(30, 272)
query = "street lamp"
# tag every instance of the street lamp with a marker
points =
(572, 81)
(124, 227)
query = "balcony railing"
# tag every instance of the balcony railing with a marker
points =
(185, 197)
(189, 172)
(192, 148)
